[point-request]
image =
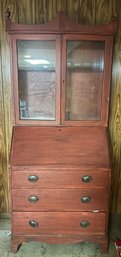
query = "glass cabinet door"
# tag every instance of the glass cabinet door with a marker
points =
(37, 80)
(61, 79)
(84, 80)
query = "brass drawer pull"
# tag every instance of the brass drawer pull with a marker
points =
(33, 198)
(86, 179)
(33, 178)
(84, 224)
(85, 199)
(33, 223)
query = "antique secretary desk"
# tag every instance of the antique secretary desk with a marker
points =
(59, 161)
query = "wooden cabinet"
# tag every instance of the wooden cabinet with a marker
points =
(59, 162)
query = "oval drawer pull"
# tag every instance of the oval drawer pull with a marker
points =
(86, 179)
(84, 224)
(33, 198)
(33, 223)
(33, 178)
(85, 199)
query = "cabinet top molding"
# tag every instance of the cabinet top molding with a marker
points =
(60, 24)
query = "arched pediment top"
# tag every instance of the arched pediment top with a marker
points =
(60, 24)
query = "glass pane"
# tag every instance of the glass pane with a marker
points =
(36, 78)
(85, 66)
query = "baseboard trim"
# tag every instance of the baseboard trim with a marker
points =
(4, 215)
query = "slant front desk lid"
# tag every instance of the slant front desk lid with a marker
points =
(36, 146)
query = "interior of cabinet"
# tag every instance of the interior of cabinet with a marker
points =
(37, 81)
(41, 71)
(85, 66)
(37, 95)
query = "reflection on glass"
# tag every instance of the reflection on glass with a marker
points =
(36, 78)
(85, 66)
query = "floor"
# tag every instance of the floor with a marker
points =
(36, 249)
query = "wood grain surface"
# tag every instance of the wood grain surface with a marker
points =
(39, 11)
(64, 223)
(60, 199)
(69, 146)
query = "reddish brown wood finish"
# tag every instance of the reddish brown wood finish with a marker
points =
(59, 223)
(61, 155)
(59, 185)
(61, 24)
(60, 146)
(51, 177)
(60, 199)
(62, 29)
(103, 121)
(14, 38)
(61, 82)
(17, 240)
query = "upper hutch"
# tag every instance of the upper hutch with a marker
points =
(61, 73)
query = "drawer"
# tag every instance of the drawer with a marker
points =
(60, 178)
(59, 223)
(60, 199)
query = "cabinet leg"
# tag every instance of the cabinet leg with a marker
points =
(104, 246)
(15, 244)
